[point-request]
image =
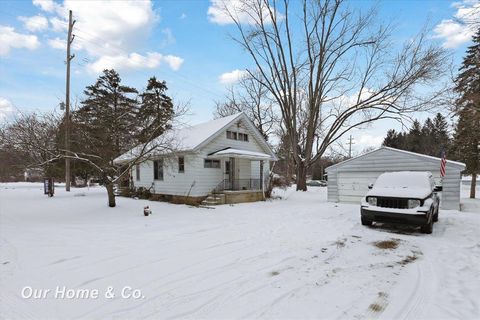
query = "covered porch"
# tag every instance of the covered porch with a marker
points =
(242, 169)
(244, 175)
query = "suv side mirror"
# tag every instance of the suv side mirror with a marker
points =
(438, 188)
(370, 186)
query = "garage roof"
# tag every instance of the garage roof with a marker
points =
(450, 163)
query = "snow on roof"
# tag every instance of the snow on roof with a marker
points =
(191, 138)
(449, 162)
(183, 139)
(241, 153)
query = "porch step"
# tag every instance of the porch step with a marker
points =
(214, 199)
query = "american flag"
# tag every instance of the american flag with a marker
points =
(443, 164)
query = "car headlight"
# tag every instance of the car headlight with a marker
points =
(372, 201)
(413, 203)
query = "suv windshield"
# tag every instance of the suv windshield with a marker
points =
(403, 180)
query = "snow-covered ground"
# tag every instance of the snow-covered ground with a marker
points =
(296, 257)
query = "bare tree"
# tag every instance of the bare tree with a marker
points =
(35, 136)
(250, 96)
(470, 16)
(334, 71)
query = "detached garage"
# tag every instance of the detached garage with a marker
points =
(348, 180)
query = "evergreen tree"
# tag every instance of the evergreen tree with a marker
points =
(393, 139)
(156, 110)
(440, 135)
(427, 138)
(107, 126)
(467, 137)
(414, 138)
(108, 116)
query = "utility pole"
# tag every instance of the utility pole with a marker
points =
(350, 142)
(67, 102)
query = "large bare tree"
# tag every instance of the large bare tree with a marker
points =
(331, 69)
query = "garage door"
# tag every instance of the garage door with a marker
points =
(352, 186)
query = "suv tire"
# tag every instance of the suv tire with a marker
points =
(427, 228)
(435, 216)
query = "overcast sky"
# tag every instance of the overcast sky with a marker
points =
(184, 42)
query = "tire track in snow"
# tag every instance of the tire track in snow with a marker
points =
(420, 294)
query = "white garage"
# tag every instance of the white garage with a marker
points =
(348, 180)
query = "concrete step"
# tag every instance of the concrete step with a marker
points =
(214, 199)
(205, 204)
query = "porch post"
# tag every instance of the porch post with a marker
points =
(261, 178)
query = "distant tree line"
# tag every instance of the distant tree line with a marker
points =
(429, 138)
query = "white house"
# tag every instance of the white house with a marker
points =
(226, 159)
(348, 180)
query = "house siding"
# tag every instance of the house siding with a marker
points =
(174, 182)
(385, 160)
(198, 181)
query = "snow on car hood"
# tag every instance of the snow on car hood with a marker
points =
(400, 192)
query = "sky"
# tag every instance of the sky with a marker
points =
(187, 43)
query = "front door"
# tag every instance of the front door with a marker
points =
(229, 173)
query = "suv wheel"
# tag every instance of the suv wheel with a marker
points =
(435, 216)
(427, 228)
(366, 222)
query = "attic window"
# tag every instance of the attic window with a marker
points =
(231, 135)
(237, 136)
(243, 137)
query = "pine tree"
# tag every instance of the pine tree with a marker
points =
(467, 137)
(428, 144)
(393, 139)
(108, 115)
(107, 125)
(156, 110)
(440, 135)
(414, 138)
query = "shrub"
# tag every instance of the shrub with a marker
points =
(142, 193)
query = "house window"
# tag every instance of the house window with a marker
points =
(181, 164)
(237, 136)
(231, 135)
(243, 137)
(137, 172)
(208, 163)
(158, 169)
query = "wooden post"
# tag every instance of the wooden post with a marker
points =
(67, 103)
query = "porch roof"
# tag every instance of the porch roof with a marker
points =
(239, 153)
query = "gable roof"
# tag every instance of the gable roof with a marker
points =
(193, 138)
(451, 163)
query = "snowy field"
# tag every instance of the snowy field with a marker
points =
(296, 257)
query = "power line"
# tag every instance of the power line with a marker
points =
(122, 50)
(173, 74)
